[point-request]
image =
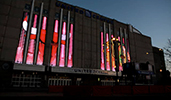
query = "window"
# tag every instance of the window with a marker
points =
(62, 49)
(20, 48)
(54, 45)
(42, 42)
(32, 41)
(70, 55)
(102, 55)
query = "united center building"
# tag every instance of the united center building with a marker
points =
(52, 40)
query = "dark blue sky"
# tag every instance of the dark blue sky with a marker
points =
(150, 17)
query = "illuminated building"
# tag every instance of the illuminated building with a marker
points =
(66, 41)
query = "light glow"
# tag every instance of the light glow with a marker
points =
(102, 56)
(120, 54)
(107, 52)
(128, 55)
(42, 42)
(62, 51)
(70, 56)
(124, 54)
(54, 45)
(20, 48)
(113, 55)
(30, 54)
(124, 51)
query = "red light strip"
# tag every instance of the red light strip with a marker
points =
(54, 45)
(42, 42)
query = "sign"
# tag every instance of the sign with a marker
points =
(82, 71)
(145, 72)
(86, 12)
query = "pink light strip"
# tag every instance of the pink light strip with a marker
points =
(70, 47)
(56, 26)
(35, 21)
(44, 23)
(102, 56)
(20, 48)
(62, 51)
(30, 53)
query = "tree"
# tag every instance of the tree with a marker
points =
(167, 52)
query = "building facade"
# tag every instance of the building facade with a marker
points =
(65, 44)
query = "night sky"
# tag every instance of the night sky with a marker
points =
(150, 17)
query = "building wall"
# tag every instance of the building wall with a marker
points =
(159, 59)
(141, 48)
(11, 12)
(86, 44)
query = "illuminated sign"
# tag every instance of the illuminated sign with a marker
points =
(87, 13)
(82, 71)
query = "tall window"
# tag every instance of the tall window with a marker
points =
(113, 53)
(120, 54)
(42, 42)
(107, 52)
(102, 51)
(54, 45)
(62, 50)
(32, 41)
(70, 55)
(20, 48)
(128, 55)
(124, 50)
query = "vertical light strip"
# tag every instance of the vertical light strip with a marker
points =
(127, 44)
(107, 52)
(54, 45)
(59, 38)
(38, 35)
(32, 41)
(102, 50)
(42, 42)
(20, 48)
(120, 59)
(124, 52)
(126, 48)
(121, 55)
(67, 39)
(62, 50)
(128, 54)
(113, 54)
(70, 55)
(28, 32)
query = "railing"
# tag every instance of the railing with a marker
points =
(59, 82)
